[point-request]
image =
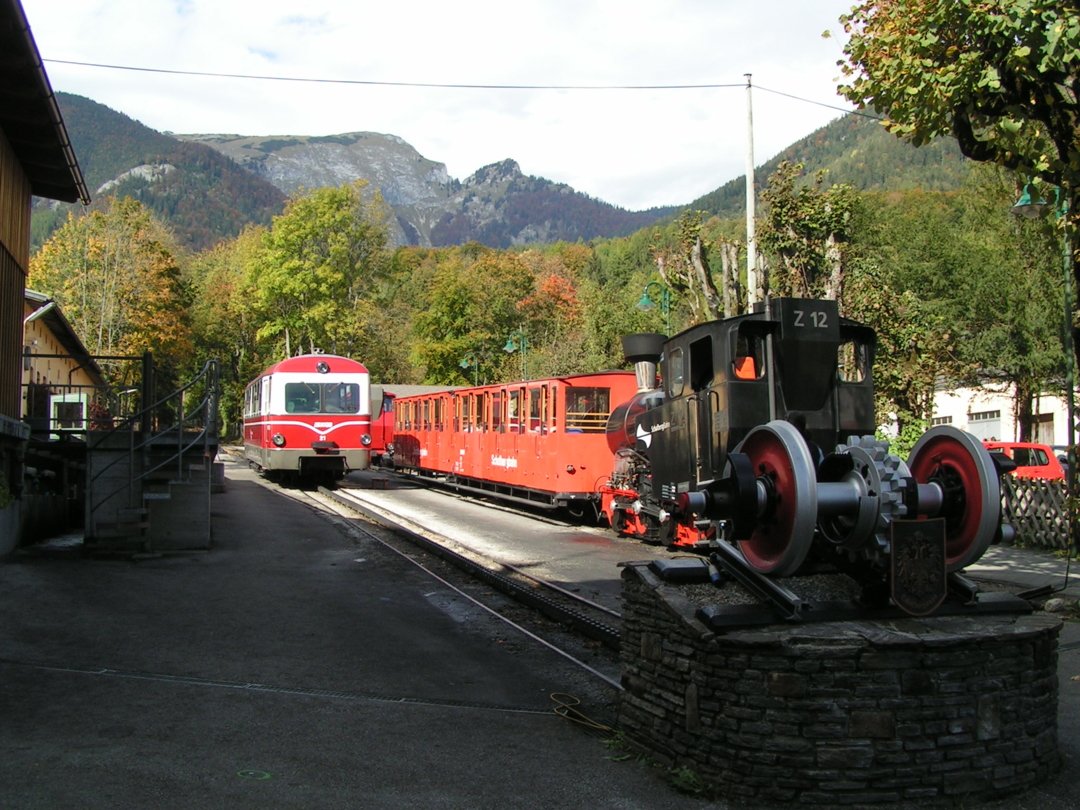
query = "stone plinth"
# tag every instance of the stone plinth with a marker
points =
(931, 710)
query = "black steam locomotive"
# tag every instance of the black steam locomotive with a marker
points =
(760, 436)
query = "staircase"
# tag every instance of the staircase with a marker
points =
(149, 486)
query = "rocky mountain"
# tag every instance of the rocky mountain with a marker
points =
(208, 187)
(497, 206)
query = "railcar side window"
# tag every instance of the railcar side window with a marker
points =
(536, 399)
(587, 409)
(496, 411)
(513, 416)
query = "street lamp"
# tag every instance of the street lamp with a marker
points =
(646, 303)
(516, 341)
(470, 360)
(1032, 206)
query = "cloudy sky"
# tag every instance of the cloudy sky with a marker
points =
(634, 148)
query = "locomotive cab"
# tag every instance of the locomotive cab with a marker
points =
(793, 359)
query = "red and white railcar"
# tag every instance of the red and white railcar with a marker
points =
(536, 441)
(310, 417)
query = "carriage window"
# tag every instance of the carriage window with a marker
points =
(536, 409)
(322, 398)
(513, 415)
(852, 362)
(496, 410)
(587, 409)
(440, 413)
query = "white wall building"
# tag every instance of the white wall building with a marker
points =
(989, 413)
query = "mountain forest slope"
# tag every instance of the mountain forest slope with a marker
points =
(208, 187)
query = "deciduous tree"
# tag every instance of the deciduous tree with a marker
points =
(999, 76)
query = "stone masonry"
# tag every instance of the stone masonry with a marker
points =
(930, 711)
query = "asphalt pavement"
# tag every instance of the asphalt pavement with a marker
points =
(296, 665)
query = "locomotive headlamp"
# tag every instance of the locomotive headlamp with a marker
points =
(366, 440)
(570, 468)
(322, 367)
(278, 440)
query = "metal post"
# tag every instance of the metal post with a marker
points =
(1070, 377)
(751, 241)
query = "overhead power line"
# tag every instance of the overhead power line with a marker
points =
(374, 83)
(459, 86)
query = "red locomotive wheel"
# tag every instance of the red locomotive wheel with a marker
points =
(962, 468)
(787, 498)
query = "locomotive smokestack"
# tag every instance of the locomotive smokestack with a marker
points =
(644, 350)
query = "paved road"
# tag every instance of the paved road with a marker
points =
(295, 665)
(290, 667)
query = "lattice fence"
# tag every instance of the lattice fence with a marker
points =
(1036, 509)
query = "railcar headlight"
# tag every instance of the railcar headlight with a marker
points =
(366, 440)
(278, 440)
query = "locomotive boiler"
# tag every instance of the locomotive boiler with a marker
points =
(759, 435)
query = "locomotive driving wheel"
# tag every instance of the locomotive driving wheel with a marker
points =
(786, 498)
(957, 464)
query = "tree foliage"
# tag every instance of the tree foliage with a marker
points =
(320, 261)
(1001, 77)
(116, 274)
(804, 231)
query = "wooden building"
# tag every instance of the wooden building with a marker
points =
(36, 159)
(63, 387)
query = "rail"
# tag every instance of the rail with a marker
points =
(199, 424)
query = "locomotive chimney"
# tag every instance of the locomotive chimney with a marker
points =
(644, 350)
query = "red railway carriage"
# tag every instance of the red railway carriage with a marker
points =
(536, 441)
(309, 416)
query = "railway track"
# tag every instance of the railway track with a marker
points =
(581, 618)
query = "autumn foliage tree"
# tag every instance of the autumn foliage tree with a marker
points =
(116, 273)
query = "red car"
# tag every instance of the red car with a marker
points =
(1032, 460)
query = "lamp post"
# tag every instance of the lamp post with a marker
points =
(646, 303)
(470, 360)
(518, 341)
(1031, 206)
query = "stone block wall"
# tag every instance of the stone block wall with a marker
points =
(931, 710)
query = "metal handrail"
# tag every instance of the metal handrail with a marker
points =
(207, 406)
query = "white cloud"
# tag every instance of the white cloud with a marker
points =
(633, 148)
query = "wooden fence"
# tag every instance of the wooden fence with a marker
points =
(1037, 510)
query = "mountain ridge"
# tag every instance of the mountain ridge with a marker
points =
(208, 187)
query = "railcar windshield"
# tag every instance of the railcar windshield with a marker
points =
(587, 409)
(340, 397)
